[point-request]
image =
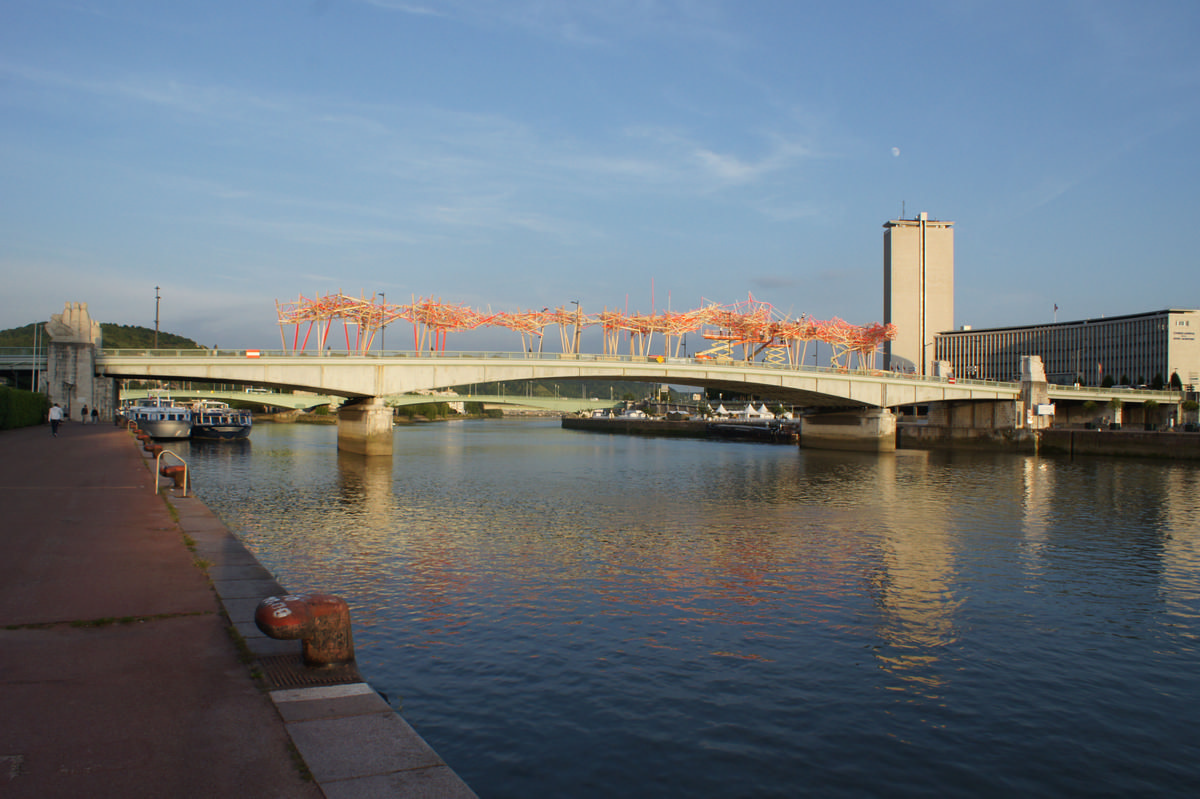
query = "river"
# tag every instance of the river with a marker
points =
(573, 614)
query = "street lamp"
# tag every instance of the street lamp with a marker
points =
(383, 327)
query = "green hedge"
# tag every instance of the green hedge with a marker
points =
(21, 408)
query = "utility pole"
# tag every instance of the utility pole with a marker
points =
(156, 317)
(37, 328)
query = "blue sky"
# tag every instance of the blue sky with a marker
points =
(518, 154)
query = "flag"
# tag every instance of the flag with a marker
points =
(1056, 307)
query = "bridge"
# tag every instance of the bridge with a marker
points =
(851, 398)
(285, 400)
(849, 408)
(266, 398)
(355, 376)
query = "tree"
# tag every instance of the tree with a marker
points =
(1107, 382)
(1150, 413)
(1157, 383)
(1176, 383)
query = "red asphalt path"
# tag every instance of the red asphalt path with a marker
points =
(159, 706)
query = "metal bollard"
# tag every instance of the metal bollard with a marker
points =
(174, 472)
(320, 621)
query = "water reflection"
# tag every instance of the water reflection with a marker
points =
(365, 485)
(710, 610)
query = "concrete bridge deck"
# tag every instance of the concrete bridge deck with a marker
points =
(359, 376)
(351, 375)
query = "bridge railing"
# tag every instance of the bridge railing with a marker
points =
(20, 356)
(1122, 391)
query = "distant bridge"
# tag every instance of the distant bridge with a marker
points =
(268, 398)
(275, 399)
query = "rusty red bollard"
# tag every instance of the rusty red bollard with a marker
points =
(320, 621)
(176, 473)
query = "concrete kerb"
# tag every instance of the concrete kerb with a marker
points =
(352, 742)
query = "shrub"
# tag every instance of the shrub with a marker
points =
(21, 408)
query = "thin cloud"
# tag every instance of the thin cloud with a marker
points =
(585, 24)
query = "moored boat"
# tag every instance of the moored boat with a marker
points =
(216, 420)
(159, 416)
(773, 432)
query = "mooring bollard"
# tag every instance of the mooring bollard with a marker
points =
(176, 473)
(320, 621)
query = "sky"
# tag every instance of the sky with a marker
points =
(625, 154)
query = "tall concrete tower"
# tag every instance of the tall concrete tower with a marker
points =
(918, 289)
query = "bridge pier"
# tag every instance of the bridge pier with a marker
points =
(365, 428)
(865, 430)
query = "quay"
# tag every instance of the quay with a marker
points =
(130, 664)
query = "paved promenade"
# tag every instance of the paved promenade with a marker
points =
(118, 674)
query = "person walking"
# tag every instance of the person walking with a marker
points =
(95, 415)
(83, 414)
(56, 416)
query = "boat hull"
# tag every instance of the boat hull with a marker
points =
(165, 428)
(220, 432)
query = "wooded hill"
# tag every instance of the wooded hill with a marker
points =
(112, 336)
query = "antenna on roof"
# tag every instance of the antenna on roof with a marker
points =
(902, 209)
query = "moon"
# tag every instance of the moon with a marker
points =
(895, 152)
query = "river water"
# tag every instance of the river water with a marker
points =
(572, 614)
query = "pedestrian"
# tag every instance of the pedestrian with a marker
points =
(95, 415)
(83, 414)
(56, 416)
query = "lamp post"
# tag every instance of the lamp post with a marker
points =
(156, 317)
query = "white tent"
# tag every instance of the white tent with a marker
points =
(750, 412)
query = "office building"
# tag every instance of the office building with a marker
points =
(1138, 349)
(918, 290)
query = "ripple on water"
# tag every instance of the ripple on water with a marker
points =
(571, 614)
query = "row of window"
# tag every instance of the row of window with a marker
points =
(1126, 348)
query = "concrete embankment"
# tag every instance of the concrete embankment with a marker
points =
(119, 672)
(924, 436)
(1122, 443)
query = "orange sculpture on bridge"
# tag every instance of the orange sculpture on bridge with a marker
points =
(751, 326)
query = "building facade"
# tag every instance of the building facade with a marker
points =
(918, 290)
(1138, 349)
